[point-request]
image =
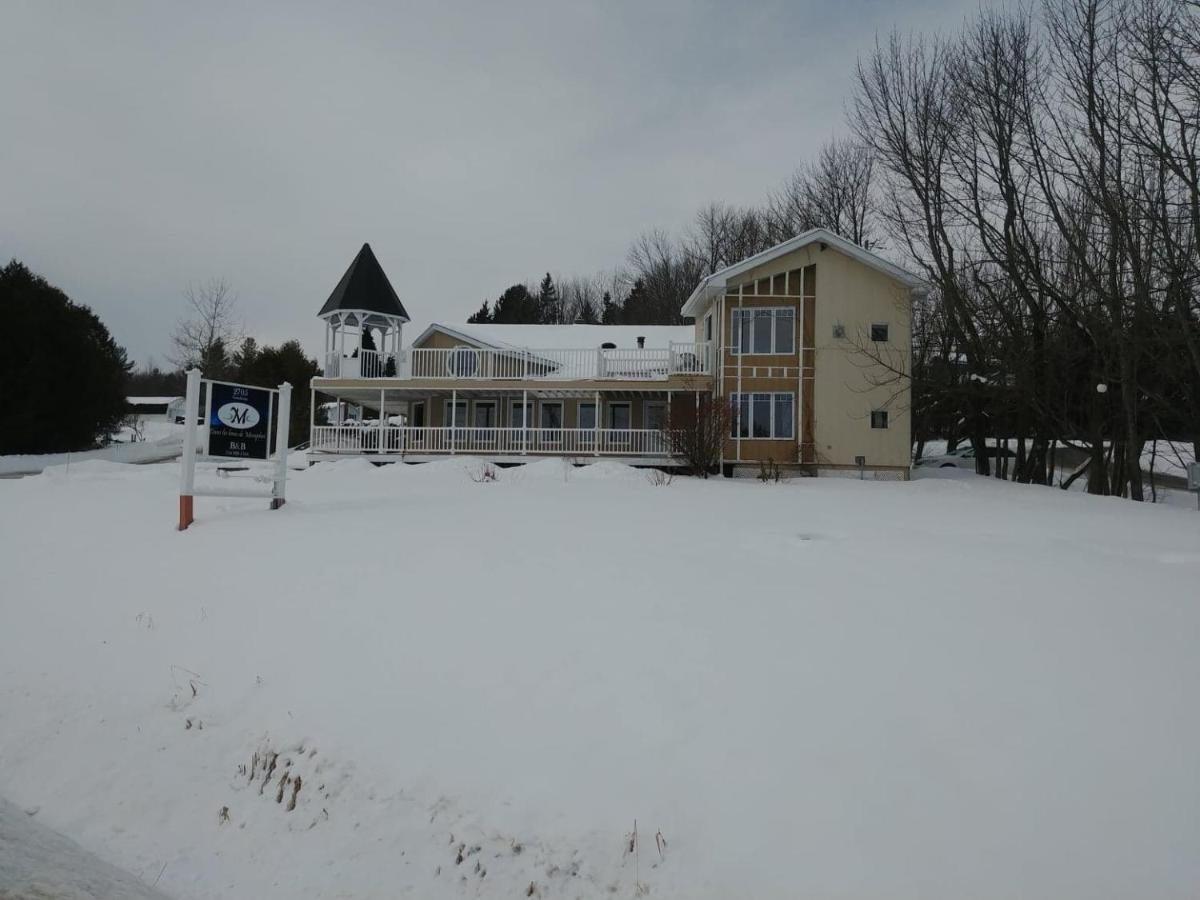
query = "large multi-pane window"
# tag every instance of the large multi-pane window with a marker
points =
(764, 415)
(764, 330)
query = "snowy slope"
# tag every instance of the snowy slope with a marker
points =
(944, 688)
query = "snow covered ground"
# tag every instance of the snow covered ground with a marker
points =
(38, 864)
(160, 440)
(830, 688)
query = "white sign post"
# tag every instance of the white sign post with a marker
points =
(239, 427)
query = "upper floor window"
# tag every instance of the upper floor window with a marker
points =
(879, 418)
(764, 330)
(879, 332)
(708, 327)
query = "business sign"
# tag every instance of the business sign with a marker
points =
(239, 424)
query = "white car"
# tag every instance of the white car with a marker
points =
(962, 458)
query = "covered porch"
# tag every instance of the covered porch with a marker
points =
(419, 425)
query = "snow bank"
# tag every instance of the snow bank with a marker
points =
(944, 688)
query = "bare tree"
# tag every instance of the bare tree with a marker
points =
(206, 335)
(698, 434)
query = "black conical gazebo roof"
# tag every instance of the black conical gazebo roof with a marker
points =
(364, 287)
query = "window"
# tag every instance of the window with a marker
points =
(783, 415)
(768, 416)
(485, 414)
(587, 415)
(417, 418)
(879, 418)
(517, 416)
(459, 417)
(552, 420)
(618, 416)
(655, 415)
(552, 415)
(879, 332)
(839, 331)
(760, 331)
(463, 362)
(708, 327)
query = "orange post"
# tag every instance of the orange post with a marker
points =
(185, 512)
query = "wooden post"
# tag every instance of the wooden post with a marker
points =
(187, 470)
(283, 418)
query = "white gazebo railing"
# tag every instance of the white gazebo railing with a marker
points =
(355, 439)
(503, 364)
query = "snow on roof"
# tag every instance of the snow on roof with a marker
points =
(150, 401)
(719, 279)
(566, 337)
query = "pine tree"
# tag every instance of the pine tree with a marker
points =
(62, 376)
(610, 313)
(482, 317)
(587, 313)
(636, 309)
(549, 308)
(516, 306)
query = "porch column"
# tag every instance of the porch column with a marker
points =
(382, 420)
(596, 426)
(524, 421)
(453, 416)
(312, 416)
(666, 425)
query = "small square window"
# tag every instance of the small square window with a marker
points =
(879, 418)
(879, 332)
(839, 331)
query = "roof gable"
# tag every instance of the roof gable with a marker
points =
(720, 279)
(365, 287)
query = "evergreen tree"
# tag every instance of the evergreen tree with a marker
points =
(637, 308)
(62, 376)
(587, 312)
(245, 354)
(483, 316)
(270, 367)
(516, 306)
(549, 307)
(610, 313)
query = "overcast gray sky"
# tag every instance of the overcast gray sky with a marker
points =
(146, 146)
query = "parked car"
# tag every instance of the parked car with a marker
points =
(962, 458)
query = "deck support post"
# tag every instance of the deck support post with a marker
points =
(524, 421)
(453, 417)
(596, 425)
(312, 415)
(382, 419)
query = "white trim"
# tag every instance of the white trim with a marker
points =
(735, 399)
(751, 313)
(720, 279)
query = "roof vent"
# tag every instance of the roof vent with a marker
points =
(608, 345)
(641, 343)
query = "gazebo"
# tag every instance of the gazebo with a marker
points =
(363, 305)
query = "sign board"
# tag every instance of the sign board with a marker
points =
(1193, 471)
(237, 421)
(239, 424)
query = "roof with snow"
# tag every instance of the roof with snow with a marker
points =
(564, 337)
(718, 280)
(365, 288)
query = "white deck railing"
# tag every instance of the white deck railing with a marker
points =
(471, 363)
(399, 439)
